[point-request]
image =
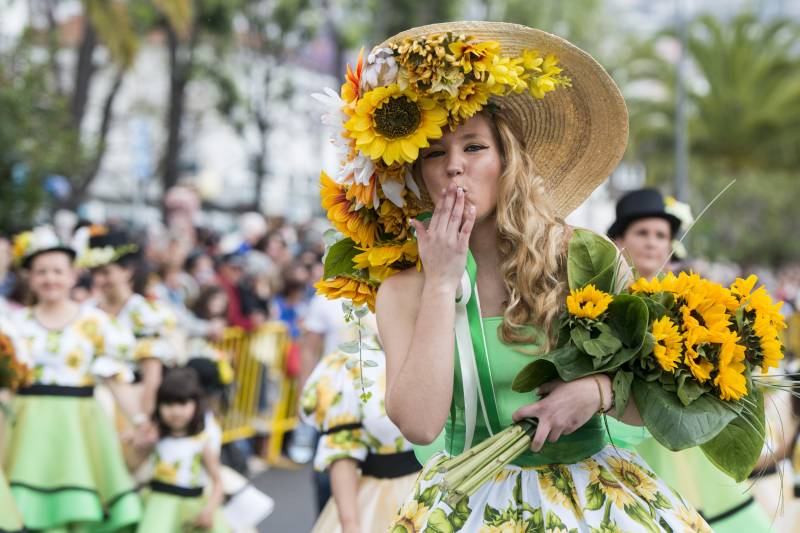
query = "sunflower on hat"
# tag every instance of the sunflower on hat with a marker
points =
(388, 108)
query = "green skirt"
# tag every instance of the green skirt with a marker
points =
(65, 466)
(10, 519)
(170, 513)
(727, 506)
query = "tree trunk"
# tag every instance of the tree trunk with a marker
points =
(80, 190)
(84, 70)
(180, 70)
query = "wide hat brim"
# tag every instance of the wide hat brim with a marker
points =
(576, 135)
(619, 226)
(28, 259)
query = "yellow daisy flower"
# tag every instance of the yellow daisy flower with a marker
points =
(693, 521)
(588, 302)
(669, 343)
(74, 359)
(356, 224)
(471, 98)
(700, 368)
(505, 75)
(360, 292)
(509, 526)
(474, 56)
(393, 124)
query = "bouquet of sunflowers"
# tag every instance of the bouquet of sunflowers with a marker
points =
(689, 351)
(13, 372)
(389, 107)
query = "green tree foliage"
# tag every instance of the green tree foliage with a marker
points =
(744, 123)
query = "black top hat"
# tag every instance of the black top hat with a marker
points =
(641, 203)
(118, 240)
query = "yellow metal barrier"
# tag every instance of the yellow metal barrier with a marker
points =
(257, 407)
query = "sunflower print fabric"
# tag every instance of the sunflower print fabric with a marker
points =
(611, 492)
(331, 399)
(91, 346)
(153, 324)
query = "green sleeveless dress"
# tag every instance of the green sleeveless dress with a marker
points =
(579, 483)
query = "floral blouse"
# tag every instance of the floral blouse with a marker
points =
(179, 460)
(331, 402)
(153, 325)
(91, 346)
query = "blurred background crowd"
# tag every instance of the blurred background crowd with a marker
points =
(189, 125)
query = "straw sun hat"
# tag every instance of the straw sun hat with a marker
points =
(577, 135)
(411, 88)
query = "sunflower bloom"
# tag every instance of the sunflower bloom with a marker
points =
(393, 124)
(360, 292)
(356, 224)
(643, 285)
(730, 378)
(669, 343)
(588, 302)
(699, 366)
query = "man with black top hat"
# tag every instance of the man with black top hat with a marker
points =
(644, 230)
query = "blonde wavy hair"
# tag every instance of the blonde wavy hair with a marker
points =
(532, 240)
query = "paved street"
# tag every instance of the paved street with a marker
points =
(294, 500)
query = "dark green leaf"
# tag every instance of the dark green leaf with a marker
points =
(628, 317)
(689, 389)
(675, 425)
(534, 374)
(603, 345)
(591, 259)
(737, 448)
(579, 335)
(622, 390)
(666, 299)
(655, 310)
(339, 259)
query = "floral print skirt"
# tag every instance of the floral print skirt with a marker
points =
(613, 491)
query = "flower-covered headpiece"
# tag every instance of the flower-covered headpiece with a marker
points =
(403, 96)
(29, 244)
(106, 247)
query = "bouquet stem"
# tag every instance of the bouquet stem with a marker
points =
(467, 472)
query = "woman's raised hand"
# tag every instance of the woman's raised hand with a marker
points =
(443, 245)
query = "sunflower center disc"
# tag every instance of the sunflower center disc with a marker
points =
(397, 118)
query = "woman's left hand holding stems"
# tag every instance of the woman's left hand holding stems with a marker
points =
(566, 406)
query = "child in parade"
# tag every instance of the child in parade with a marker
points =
(184, 461)
(372, 467)
(72, 348)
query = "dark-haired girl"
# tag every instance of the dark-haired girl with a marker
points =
(183, 461)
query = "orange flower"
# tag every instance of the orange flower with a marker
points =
(359, 225)
(359, 292)
(351, 88)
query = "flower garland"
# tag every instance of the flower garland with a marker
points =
(388, 108)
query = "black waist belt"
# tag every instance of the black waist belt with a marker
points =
(729, 513)
(392, 465)
(39, 389)
(187, 492)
